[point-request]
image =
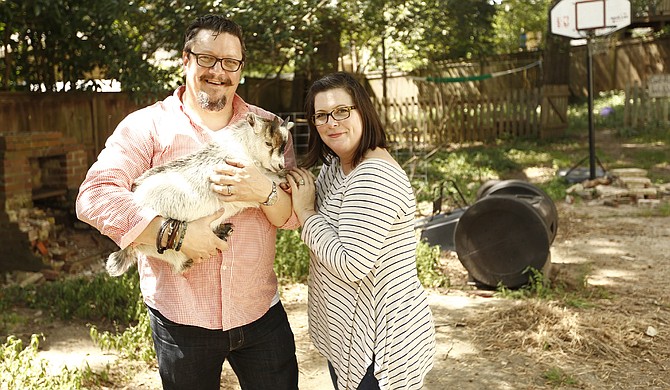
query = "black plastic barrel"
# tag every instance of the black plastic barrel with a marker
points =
(527, 192)
(506, 231)
(440, 229)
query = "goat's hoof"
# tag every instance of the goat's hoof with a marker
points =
(224, 230)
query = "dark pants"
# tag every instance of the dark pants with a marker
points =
(369, 382)
(262, 353)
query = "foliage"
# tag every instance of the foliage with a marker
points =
(470, 167)
(68, 41)
(292, 258)
(427, 265)
(538, 286)
(516, 17)
(20, 368)
(100, 297)
(556, 376)
(471, 36)
(57, 45)
(134, 343)
(608, 108)
(292, 261)
(644, 8)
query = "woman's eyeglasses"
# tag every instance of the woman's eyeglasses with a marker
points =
(207, 61)
(338, 114)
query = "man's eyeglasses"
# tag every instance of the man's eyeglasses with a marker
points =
(338, 114)
(207, 61)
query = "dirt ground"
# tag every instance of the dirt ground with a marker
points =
(616, 259)
(610, 329)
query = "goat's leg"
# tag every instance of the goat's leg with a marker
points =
(224, 230)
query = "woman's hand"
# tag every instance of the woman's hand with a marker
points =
(303, 192)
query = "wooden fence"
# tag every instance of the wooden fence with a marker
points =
(618, 64)
(88, 117)
(438, 120)
(411, 123)
(641, 110)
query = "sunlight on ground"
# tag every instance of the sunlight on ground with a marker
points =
(644, 146)
(606, 247)
(539, 174)
(447, 307)
(75, 354)
(566, 254)
(452, 302)
(606, 276)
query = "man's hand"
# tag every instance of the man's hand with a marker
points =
(200, 242)
(240, 181)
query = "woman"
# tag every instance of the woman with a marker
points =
(368, 313)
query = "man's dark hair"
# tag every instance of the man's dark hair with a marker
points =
(373, 136)
(218, 24)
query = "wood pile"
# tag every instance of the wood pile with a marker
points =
(621, 186)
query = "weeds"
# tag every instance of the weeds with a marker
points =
(100, 297)
(538, 286)
(292, 256)
(20, 368)
(556, 377)
(133, 343)
(97, 298)
(427, 257)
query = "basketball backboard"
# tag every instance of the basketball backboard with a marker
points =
(576, 18)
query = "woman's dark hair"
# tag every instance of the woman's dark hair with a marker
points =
(374, 135)
(218, 24)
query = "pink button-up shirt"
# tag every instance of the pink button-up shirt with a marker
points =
(233, 289)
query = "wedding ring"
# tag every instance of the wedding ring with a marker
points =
(301, 182)
(229, 188)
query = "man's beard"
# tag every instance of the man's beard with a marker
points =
(211, 105)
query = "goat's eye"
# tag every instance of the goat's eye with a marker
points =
(268, 144)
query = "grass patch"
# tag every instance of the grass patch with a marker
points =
(556, 377)
(98, 298)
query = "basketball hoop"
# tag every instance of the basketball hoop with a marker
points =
(578, 19)
(594, 20)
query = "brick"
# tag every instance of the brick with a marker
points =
(644, 192)
(635, 182)
(629, 172)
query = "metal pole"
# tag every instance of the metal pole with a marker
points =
(589, 72)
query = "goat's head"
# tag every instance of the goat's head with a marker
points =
(268, 146)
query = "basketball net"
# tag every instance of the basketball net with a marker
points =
(601, 44)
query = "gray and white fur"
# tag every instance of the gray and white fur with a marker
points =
(180, 189)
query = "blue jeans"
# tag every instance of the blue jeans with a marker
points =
(262, 353)
(369, 382)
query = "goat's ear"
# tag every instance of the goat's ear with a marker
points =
(287, 124)
(251, 118)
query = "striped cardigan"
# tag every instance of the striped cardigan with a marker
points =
(365, 298)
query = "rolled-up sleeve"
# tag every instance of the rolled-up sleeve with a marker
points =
(105, 199)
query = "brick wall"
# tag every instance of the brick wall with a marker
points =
(39, 164)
